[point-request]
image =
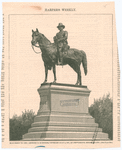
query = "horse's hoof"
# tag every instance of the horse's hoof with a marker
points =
(44, 82)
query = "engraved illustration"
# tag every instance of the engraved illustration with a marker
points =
(64, 112)
(72, 121)
(60, 75)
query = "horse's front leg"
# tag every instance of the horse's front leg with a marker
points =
(54, 72)
(46, 73)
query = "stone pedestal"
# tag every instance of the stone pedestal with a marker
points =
(63, 115)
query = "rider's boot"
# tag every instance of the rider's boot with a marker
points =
(60, 62)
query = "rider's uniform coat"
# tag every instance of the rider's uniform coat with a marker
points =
(62, 36)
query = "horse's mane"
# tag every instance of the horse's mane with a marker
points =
(46, 42)
(44, 37)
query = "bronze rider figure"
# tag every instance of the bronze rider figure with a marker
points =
(61, 41)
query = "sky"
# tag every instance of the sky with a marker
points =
(90, 33)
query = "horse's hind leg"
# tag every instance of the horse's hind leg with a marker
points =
(79, 76)
(76, 68)
(77, 79)
(54, 72)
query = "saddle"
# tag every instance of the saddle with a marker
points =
(65, 48)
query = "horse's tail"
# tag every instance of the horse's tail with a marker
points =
(84, 62)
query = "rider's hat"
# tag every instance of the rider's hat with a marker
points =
(60, 25)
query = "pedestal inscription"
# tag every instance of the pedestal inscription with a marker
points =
(74, 102)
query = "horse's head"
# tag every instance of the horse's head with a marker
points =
(36, 37)
(39, 38)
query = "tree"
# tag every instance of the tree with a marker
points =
(102, 111)
(19, 125)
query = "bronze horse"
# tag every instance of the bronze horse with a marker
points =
(72, 57)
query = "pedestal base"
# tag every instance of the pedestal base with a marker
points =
(63, 115)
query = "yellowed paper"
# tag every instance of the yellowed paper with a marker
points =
(91, 27)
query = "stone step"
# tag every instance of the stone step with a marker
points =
(57, 134)
(63, 129)
(62, 113)
(65, 124)
(67, 139)
(64, 118)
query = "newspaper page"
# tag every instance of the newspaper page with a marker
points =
(60, 76)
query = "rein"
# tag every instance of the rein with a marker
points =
(34, 49)
(39, 47)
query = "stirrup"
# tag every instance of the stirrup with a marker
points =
(59, 63)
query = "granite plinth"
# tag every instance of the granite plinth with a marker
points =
(63, 98)
(63, 115)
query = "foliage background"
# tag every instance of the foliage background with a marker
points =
(19, 125)
(102, 111)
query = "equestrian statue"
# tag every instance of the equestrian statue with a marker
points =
(59, 53)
